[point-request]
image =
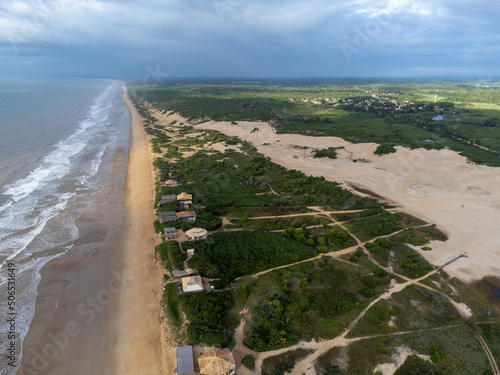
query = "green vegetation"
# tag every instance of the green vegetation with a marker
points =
(330, 152)
(374, 226)
(413, 308)
(416, 365)
(249, 361)
(385, 149)
(395, 113)
(282, 363)
(491, 333)
(278, 223)
(314, 299)
(207, 315)
(171, 255)
(228, 255)
(171, 304)
(233, 179)
(318, 298)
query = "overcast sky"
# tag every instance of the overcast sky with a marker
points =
(249, 38)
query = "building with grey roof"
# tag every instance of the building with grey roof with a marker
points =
(166, 216)
(185, 362)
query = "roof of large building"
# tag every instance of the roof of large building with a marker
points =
(192, 282)
(185, 363)
(184, 196)
(221, 362)
(196, 232)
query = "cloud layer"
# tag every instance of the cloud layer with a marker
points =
(252, 38)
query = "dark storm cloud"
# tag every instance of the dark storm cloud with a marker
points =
(248, 38)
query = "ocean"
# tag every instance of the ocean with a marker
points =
(53, 135)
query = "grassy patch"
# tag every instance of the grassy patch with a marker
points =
(413, 308)
(208, 319)
(312, 300)
(228, 255)
(171, 304)
(370, 227)
(170, 255)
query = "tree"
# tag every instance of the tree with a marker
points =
(249, 361)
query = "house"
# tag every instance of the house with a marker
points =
(185, 362)
(197, 234)
(221, 362)
(166, 216)
(185, 198)
(186, 216)
(170, 234)
(171, 183)
(192, 284)
(164, 199)
(190, 252)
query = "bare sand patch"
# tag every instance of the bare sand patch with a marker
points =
(398, 358)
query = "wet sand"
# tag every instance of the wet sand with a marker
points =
(97, 309)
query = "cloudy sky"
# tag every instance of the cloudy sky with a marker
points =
(249, 38)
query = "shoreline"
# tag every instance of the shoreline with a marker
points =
(98, 307)
(134, 321)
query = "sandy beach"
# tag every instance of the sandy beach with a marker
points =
(135, 333)
(440, 187)
(97, 310)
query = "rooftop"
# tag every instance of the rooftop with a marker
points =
(219, 363)
(196, 232)
(184, 196)
(192, 282)
(185, 363)
(184, 214)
